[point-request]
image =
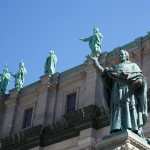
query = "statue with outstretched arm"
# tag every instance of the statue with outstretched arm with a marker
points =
(125, 91)
(95, 42)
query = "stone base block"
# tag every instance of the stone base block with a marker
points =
(123, 141)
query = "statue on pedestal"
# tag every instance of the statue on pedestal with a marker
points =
(19, 76)
(50, 64)
(4, 80)
(125, 90)
(95, 42)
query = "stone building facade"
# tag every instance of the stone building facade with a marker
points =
(66, 111)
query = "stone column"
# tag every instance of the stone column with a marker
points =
(52, 97)
(47, 97)
(9, 113)
(42, 92)
(2, 111)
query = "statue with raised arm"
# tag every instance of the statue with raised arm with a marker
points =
(20, 76)
(125, 90)
(50, 64)
(4, 80)
(95, 42)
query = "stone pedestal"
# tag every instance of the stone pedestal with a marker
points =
(123, 141)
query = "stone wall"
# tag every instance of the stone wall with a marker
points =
(48, 99)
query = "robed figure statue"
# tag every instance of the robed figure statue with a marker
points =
(4, 80)
(125, 90)
(20, 76)
(50, 64)
(95, 42)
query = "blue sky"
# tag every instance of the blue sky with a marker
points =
(30, 28)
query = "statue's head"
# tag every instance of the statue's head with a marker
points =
(95, 30)
(5, 70)
(123, 55)
(21, 64)
(51, 52)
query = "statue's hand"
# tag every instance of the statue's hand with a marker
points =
(81, 39)
(95, 60)
(97, 64)
(137, 83)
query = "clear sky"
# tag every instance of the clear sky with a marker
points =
(30, 28)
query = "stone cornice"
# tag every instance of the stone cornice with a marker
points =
(122, 139)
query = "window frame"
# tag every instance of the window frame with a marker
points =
(31, 119)
(75, 103)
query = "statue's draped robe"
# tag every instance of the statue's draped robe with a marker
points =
(50, 64)
(19, 78)
(127, 101)
(95, 43)
(4, 79)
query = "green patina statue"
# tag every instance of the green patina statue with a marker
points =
(95, 42)
(125, 91)
(19, 76)
(4, 80)
(50, 64)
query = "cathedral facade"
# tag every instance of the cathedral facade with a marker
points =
(66, 111)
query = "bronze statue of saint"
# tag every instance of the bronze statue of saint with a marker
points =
(4, 80)
(125, 90)
(50, 64)
(95, 42)
(20, 76)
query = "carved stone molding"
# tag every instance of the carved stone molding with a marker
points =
(69, 126)
(123, 141)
